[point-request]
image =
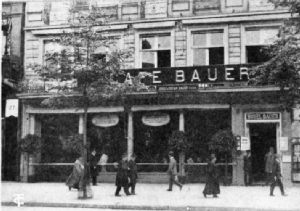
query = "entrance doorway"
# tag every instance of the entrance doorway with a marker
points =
(262, 136)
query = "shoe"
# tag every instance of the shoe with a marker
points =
(117, 195)
(215, 196)
(133, 193)
(272, 195)
(204, 195)
(284, 194)
(169, 190)
(128, 194)
(180, 188)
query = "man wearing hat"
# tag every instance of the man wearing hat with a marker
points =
(276, 176)
(172, 172)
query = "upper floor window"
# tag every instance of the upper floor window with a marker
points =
(155, 50)
(256, 40)
(208, 47)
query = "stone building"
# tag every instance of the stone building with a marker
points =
(198, 52)
(12, 52)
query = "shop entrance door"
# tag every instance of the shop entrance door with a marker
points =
(262, 136)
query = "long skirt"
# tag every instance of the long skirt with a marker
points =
(211, 186)
(74, 179)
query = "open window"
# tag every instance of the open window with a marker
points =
(208, 47)
(155, 50)
(257, 39)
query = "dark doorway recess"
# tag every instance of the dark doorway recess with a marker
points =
(9, 165)
(262, 136)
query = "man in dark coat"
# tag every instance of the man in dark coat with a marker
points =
(122, 179)
(172, 171)
(212, 184)
(248, 168)
(276, 176)
(132, 173)
(93, 166)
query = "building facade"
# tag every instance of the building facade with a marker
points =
(13, 20)
(198, 52)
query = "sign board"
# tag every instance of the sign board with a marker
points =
(263, 116)
(206, 4)
(156, 9)
(156, 119)
(192, 75)
(296, 177)
(105, 120)
(234, 3)
(286, 159)
(284, 143)
(12, 107)
(245, 143)
(296, 114)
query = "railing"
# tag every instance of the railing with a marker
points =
(194, 172)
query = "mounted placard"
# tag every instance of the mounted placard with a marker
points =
(245, 143)
(105, 120)
(284, 143)
(296, 114)
(156, 119)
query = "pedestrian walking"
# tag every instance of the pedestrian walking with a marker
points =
(269, 160)
(132, 173)
(248, 168)
(122, 179)
(76, 177)
(212, 186)
(172, 172)
(276, 176)
(93, 166)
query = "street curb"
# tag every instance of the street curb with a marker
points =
(138, 207)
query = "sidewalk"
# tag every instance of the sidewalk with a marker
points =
(153, 196)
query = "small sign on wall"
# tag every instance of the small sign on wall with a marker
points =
(156, 9)
(286, 159)
(284, 144)
(11, 108)
(245, 143)
(297, 114)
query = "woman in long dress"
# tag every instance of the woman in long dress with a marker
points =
(77, 174)
(212, 186)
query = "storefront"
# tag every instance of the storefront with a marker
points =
(144, 123)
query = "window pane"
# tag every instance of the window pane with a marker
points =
(148, 43)
(216, 39)
(252, 37)
(268, 36)
(216, 56)
(256, 54)
(199, 57)
(164, 58)
(148, 59)
(164, 42)
(199, 39)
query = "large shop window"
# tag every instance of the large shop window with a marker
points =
(155, 50)
(208, 47)
(109, 140)
(256, 41)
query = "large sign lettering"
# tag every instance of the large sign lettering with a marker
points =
(263, 116)
(195, 76)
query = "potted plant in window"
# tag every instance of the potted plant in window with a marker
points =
(30, 147)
